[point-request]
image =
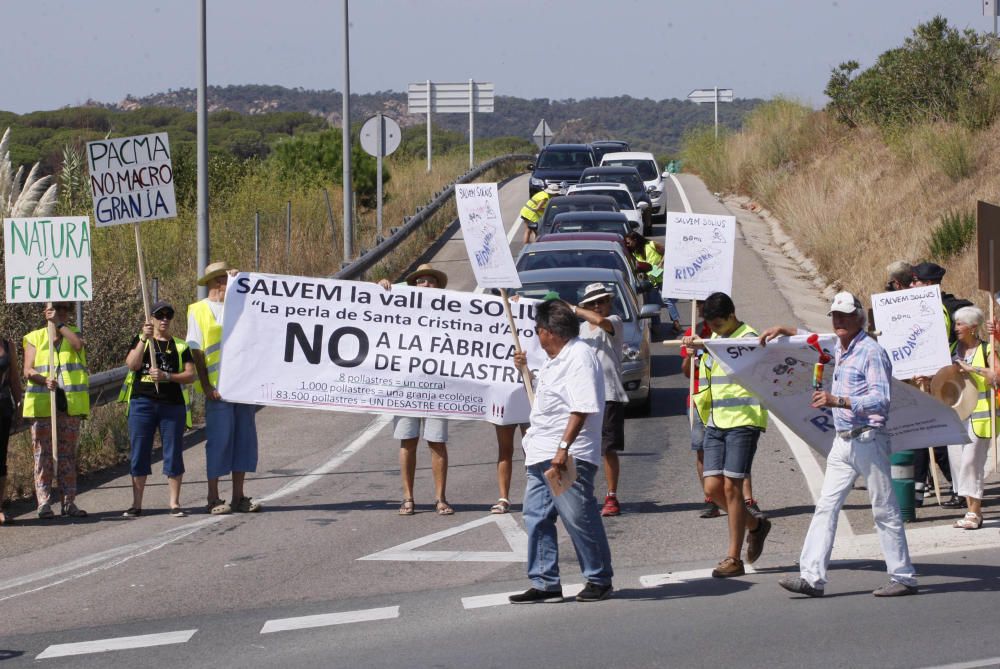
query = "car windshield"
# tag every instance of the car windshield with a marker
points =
(572, 292)
(622, 197)
(647, 168)
(633, 182)
(590, 226)
(557, 160)
(571, 258)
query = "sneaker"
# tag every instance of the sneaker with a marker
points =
(45, 511)
(710, 510)
(754, 509)
(536, 596)
(755, 540)
(132, 512)
(895, 589)
(799, 586)
(611, 507)
(594, 593)
(729, 567)
(71, 510)
(250, 505)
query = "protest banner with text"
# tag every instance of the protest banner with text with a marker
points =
(354, 346)
(699, 255)
(47, 259)
(484, 235)
(780, 374)
(912, 329)
(131, 179)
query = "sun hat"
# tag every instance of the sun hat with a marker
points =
(213, 271)
(552, 189)
(594, 292)
(844, 303)
(427, 270)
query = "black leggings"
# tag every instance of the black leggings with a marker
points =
(4, 438)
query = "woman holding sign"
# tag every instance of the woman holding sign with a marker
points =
(650, 252)
(64, 374)
(156, 399)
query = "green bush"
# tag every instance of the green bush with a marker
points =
(952, 235)
(705, 155)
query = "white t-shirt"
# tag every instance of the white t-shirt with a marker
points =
(609, 353)
(570, 382)
(195, 337)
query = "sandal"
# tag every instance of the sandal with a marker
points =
(246, 505)
(218, 507)
(502, 506)
(443, 508)
(132, 512)
(178, 512)
(406, 508)
(970, 522)
(71, 510)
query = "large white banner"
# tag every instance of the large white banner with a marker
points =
(353, 346)
(484, 235)
(699, 255)
(131, 179)
(913, 331)
(47, 259)
(781, 374)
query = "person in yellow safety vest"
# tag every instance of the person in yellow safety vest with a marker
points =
(534, 209)
(157, 398)
(734, 421)
(230, 428)
(66, 375)
(651, 253)
(968, 461)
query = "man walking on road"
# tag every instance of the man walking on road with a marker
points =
(859, 399)
(565, 424)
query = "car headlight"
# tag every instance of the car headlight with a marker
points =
(537, 182)
(629, 354)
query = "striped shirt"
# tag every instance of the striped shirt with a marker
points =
(863, 374)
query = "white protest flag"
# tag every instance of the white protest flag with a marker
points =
(353, 346)
(698, 258)
(780, 374)
(485, 238)
(47, 259)
(913, 331)
(131, 179)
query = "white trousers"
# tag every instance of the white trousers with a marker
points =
(968, 465)
(867, 456)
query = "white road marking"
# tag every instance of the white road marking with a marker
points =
(120, 643)
(656, 580)
(972, 664)
(680, 189)
(327, 619)
(114, 557)
(512, 532)
(570, 590)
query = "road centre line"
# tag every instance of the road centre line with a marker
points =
(569, 590)
(328, 619)
(971, 664)
(680, 189)
(120, 643)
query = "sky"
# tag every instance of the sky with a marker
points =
(57, 53)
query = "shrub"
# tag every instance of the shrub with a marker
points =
(705, 155)
(952, 235)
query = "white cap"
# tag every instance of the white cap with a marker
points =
(845, 303)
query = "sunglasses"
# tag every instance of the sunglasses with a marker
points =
(163, 315)
(425, 279)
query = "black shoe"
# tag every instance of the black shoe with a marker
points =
(536, 596)
(594, 593)
(954, 502)
(710, 510)
(755, 540)
(799, 586)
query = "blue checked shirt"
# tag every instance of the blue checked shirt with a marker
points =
(863, 374)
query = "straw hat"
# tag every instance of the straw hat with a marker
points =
(214, 270)
(953, 387)
(428, 270)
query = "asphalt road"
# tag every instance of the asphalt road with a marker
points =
(330, 576)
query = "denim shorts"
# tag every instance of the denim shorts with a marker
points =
(730, 452)
(410, 427)
(697, 431)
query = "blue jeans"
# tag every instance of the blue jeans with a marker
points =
(145, 415)
(671, 305)
(230, 438)
(577, 508)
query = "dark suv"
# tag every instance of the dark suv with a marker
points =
(630, 177)
(558, 163)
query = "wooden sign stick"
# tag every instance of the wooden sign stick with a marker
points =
(53, 371)
(993, 367)
(694, 371)
(526, 375)
(145, 298)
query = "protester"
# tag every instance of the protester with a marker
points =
(505, 465)
(859, 399)
(534, 209)
(734, 421)
(565, 423)
(603, 332)
(651, 253)
(968, 461)
(230, 427)
(11, 395)
(67, 377)
(690, 361)
(156, 399)
(900, 275)
(409, 429)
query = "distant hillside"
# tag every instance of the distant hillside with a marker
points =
(655, 125)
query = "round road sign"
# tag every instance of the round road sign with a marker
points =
(390, 137)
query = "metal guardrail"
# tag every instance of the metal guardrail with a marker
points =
(104, 386)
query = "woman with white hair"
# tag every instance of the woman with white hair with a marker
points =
(968, 461)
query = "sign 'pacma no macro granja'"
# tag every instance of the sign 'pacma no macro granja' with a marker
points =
(131, 179)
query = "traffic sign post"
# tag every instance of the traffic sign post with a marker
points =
(380, 136)
(714, 95)
(467, 97)
(542, 136)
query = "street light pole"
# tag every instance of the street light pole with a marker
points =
(202, 129)
(346, 130)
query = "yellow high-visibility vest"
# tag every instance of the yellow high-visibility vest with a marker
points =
(534, 208)
(125, 394)
(729, 404)
(72, 368)
(211, 344)
(981, 414)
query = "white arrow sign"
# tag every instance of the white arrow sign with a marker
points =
(702, 95)
(512, 532)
